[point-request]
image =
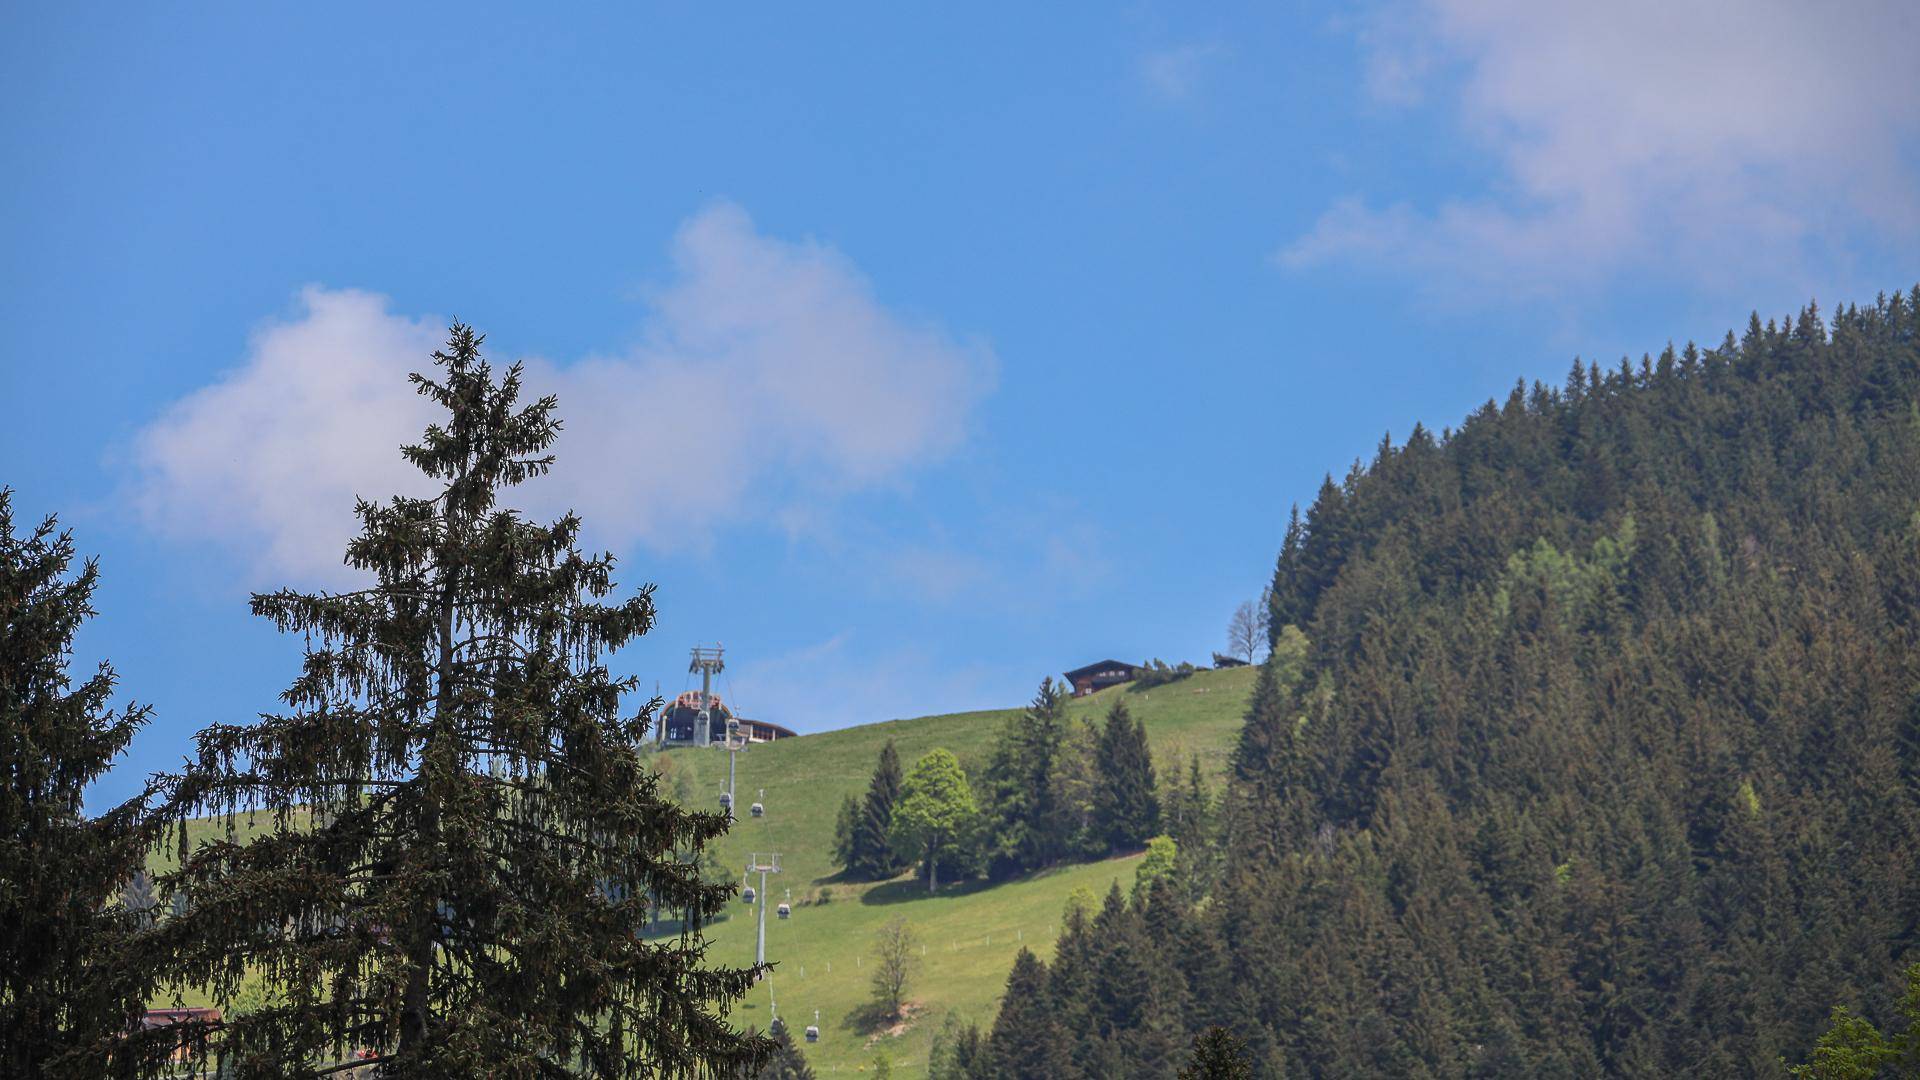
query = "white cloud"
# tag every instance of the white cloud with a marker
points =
(767, 372)
(1737, 142)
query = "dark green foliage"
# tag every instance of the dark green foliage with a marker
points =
(1157, 672)
(70, 986)
(1026, 1043)
(784, 1061)
(1284, 596)
(1590, 740)
(869, 852)
(1189, 815)
(1110, 1007)
(1022, 829)
(1853, 1049)
(461, 834)
(936, 817)
(1125, 806)
(959, 1052)
(1217, 1055)
(1075, 783)
(843, 830)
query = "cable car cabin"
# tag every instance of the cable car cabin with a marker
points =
(757, 810)
(813, 1033)
(785, 910)
(777, 1028)
(747, 894)
(726, 801)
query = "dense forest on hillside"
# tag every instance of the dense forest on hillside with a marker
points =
(1603, 759)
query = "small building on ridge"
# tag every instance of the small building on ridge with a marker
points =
(1093, 677)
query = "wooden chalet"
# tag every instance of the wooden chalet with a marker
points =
(1093, 677)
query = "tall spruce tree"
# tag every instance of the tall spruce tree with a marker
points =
(69, 987)
(1027, 1043)
(463, 837)
(843, 826)
(1018, 787)
(1217, 1055)
(1125, 805)
(784, 1061)
(871, 854)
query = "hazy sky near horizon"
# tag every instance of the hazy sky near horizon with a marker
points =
(914, 354)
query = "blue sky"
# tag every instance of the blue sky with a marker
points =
(914, 354)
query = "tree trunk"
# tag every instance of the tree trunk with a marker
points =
(415, 1001)
(933, 872)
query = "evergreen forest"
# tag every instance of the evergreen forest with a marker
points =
(1602, 756)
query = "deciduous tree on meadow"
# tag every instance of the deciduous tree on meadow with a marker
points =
(935, 813)
(894, 961)
(1246, 631)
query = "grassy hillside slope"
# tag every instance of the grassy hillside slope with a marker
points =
(970, 932)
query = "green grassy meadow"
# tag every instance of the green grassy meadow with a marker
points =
(971, 931)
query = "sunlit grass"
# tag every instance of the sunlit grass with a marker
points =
(969, 932)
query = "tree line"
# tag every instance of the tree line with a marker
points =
(454, 837)
(1052, 790)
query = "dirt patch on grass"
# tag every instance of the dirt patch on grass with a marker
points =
(901, 1024)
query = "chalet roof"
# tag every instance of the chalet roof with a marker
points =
(1104, 665)
(781, 730)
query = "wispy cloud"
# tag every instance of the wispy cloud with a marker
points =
(1176, 73)
(1020, 556)
(838, 681)
(1726, 142)
(768, 374)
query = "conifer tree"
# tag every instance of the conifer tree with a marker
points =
(1135, 1007)
(1018, 787)
(943, 1057)
(960, 1052)
(844, 824)
(1124, 803)
(1075, 783)
(871, 851)
(69, 987)
(462, 836)
(1285, 604)
(1217, 1055)
(784, 1060)
(1026, 1043)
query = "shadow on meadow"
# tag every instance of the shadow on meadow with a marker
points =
(902, 890)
